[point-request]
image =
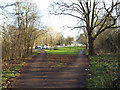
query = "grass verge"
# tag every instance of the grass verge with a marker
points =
(104, 71)
(12, 69)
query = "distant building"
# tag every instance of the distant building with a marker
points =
(75, 43)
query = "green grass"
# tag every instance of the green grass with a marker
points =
(65, 51)
(103, 71)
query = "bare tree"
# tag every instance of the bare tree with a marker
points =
(92, 13)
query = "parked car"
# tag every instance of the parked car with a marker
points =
(37, 47)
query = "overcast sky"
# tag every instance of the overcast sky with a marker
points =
(57, 22)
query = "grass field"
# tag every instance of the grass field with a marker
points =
(65, 51)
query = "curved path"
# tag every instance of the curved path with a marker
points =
(39, 75)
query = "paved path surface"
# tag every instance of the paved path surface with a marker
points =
(39, 75)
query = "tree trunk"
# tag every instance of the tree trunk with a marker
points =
(91, 45)
(86, 46)
(28, 46)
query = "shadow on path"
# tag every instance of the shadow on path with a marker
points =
(39, 75)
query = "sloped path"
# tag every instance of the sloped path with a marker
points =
(39, 75)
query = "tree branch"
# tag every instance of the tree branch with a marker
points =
(8, 5)
(100, 31)
(69, 15)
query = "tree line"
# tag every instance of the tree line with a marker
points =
(52, 38)
(19, 35)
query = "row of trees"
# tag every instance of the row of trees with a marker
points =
(19, 36)
(52, 38)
